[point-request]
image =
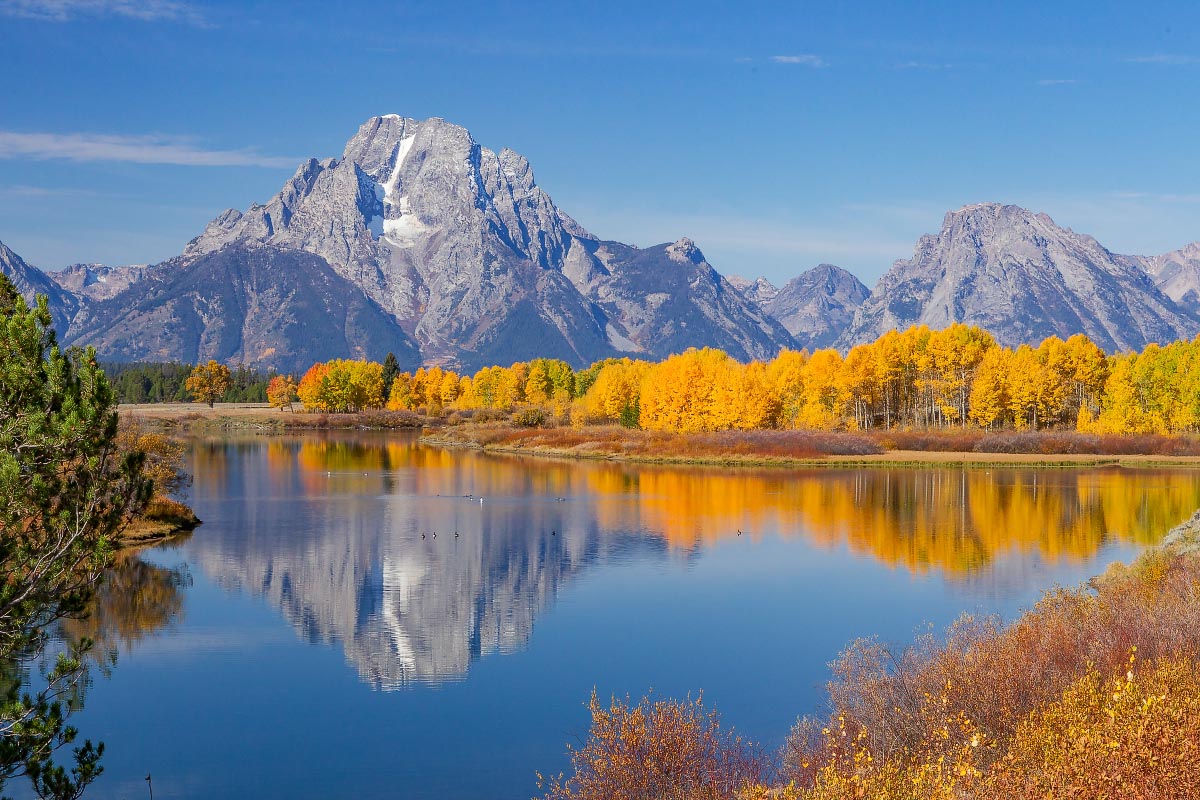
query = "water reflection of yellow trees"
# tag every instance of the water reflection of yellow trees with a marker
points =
(135, 600)
(953, 519)
(957, 520)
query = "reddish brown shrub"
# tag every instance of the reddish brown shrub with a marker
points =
(996, 676)
(931, 440)
(658, 750)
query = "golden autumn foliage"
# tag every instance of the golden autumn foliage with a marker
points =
(430, 390)
(658, 750)
(208, 382)
(919, 378)
(164, 457)
(281, 391)
(342, 385)
(1135, 735)
(614, 392)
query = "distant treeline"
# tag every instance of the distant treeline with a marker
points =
(163, 382)
(958, 377)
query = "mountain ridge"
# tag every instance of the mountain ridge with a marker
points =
(462, 247)
(419, 238)
(1020, 276)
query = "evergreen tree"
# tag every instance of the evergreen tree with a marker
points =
(391, 368)
(65, 490)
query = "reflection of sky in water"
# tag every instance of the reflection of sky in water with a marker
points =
(634, 576)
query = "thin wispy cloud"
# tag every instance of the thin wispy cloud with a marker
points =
(1174, 59)
(921, 65)
(1161, 197)
(149, 149)
(67, 10)
(805, 59)
(1057, 82)
(21, 190)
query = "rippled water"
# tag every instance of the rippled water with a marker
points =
(314, 638)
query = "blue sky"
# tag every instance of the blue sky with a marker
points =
(776, 135)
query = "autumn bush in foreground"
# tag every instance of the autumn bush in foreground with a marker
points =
(660, 749)
(1133, 736)
(1094, 693)
(968, 710)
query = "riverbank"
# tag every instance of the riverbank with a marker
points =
(163, 519)
(760, 448)
(260, 417)
(799, 448)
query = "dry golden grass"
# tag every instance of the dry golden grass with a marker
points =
(618, 442)
(783, 447)
(262, 416)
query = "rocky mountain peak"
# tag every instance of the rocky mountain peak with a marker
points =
(757, 291)
(1023, 277)
(685, 251)
(1178, 274)
(471, 257)
(817, 305)
(31, 281)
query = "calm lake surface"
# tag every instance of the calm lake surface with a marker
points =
(313, 639)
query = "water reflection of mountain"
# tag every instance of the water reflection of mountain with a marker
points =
(340, 536)
(329, 529)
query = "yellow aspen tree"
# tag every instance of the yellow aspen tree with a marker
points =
(989, 400)
(861, 385)
(823, 398)
(401, 397)
(1023, 389)
(538, 388)
(281, 391)
(786, 375)
(759, 402)
(1089, 370)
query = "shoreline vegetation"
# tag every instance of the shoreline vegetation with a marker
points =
(163, 517)
(499, 433)
(1094, 692)
(262, 418)
(162, 520)
(821, 448)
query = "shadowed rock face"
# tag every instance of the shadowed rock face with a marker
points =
(262, 305)
(1178, 275)
(1023, 278)
(31, 282)
(667, 298)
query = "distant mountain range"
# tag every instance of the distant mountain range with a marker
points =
(1023, 278)
(419, 241)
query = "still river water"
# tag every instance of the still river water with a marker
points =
(313, 639)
